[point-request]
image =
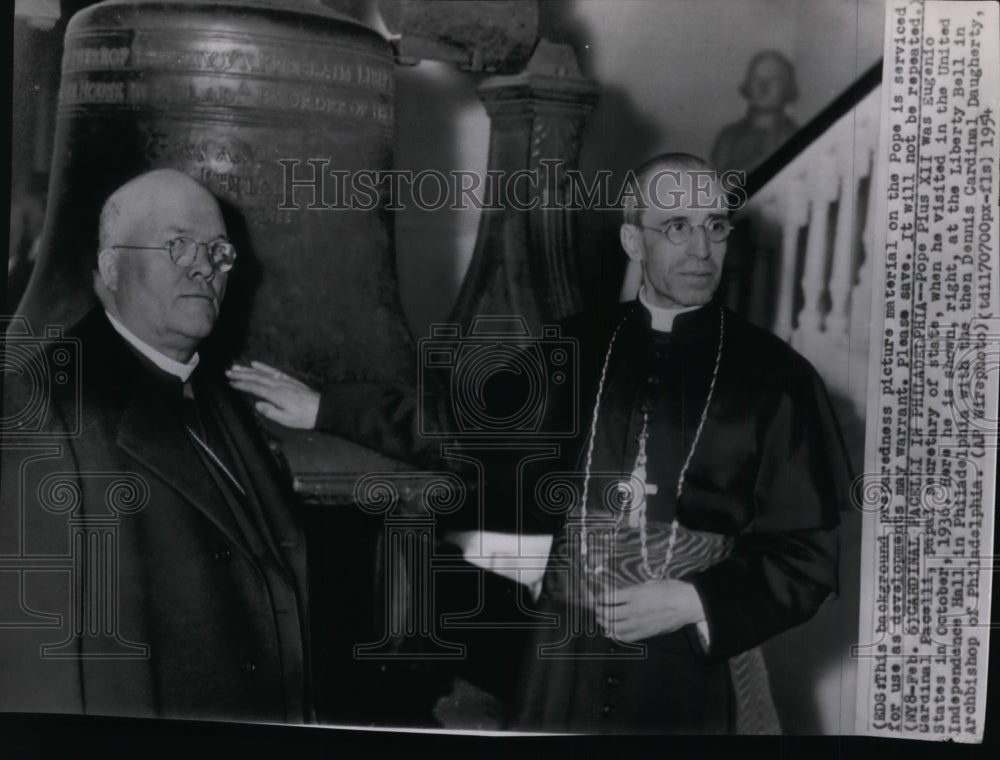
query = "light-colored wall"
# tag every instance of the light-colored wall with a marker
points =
(440, 125)
(681, 61)
(668, 72)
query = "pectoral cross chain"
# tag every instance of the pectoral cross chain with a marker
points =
(637, 504)
(637, 498)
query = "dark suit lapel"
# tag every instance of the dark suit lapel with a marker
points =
(152, 433)
(260, 470)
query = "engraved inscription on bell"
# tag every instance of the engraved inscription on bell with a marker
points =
(234, 94)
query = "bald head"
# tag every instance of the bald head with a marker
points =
(139, 197)
(170, 306)
(666, 180)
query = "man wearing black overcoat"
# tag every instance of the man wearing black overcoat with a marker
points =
(152, 563)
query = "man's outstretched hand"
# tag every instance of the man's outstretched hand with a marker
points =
(284, 399)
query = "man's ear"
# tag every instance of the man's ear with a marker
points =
(107, 267)
(631, 239)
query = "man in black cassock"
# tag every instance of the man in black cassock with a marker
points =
(709, 473)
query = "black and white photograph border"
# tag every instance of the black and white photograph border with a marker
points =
(420, 194)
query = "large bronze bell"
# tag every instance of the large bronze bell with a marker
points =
(245, 96)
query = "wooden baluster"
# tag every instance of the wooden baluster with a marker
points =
(763, 221)
(861, 295)
(824, 184)
(796, 215)
(855, 360)
(842, 270)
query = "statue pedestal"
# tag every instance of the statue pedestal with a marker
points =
(525, 260)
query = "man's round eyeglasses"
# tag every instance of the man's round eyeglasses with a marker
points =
(678, 231)
(184, 251)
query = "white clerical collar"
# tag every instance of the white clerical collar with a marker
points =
(662, 319)
(164, 362)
